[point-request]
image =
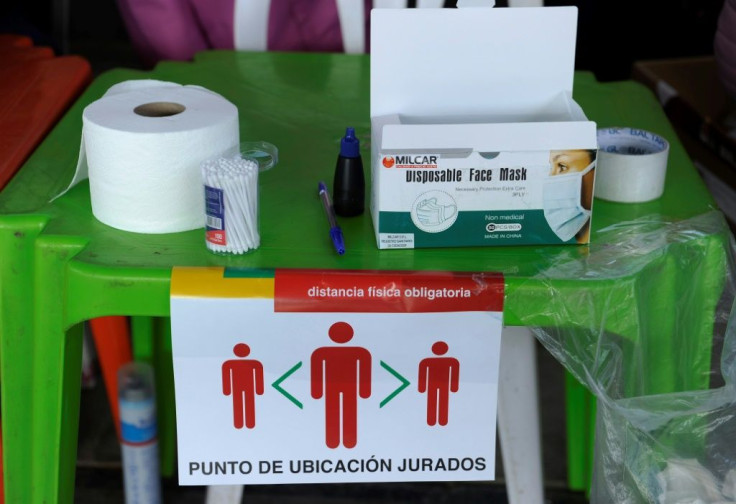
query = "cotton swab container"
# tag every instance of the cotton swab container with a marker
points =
(231, 197)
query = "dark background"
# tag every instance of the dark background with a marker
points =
(612, 34)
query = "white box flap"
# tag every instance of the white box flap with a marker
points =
(489, 137)
(482, 61)
(562, 125)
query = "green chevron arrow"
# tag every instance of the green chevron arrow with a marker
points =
(277, 385)
(404, 384)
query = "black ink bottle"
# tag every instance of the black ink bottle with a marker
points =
(348, 190)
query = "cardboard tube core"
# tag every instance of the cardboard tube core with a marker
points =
(159, 109)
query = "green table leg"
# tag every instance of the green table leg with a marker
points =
(141, 331)
(40, 367)
(678, 297)
(16, 320)
(580, 433)
(165, 395)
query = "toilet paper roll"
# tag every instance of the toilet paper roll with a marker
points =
(631, 165)
(142, 143)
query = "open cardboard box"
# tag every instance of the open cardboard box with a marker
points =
(468, 107)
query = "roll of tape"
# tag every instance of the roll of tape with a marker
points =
(631, 165)
(142, 143)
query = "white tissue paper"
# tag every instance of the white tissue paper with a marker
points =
(686, 481)
(729, 485)
(143, 170)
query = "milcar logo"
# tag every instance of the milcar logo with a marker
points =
(406, 161)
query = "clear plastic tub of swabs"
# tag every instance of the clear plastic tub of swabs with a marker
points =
(231, 197)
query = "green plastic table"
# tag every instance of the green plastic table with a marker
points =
(59, 266)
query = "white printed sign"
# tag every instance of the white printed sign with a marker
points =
(306, 377)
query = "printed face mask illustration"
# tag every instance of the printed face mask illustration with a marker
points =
(431, 214)
(563, 208)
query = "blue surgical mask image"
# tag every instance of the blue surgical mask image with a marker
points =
(563, 207)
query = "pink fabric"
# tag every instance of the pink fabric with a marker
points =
(215, 19)
(177, 29)
(308, 25)
(162, 29)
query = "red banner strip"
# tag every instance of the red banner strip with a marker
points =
(386, 291)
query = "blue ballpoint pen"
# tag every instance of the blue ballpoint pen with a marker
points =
(335, 231)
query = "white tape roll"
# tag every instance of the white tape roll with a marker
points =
(631, 165)
(142, 143)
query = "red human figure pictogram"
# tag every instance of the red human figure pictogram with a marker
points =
(243, 378)
(438, 376)
(340, 375)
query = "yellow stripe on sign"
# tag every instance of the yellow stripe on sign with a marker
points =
(209, 282)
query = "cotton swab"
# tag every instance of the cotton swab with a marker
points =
(231, 201)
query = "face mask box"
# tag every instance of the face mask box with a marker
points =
(476, 139)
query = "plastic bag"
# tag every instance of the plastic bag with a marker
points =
(657, 347)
